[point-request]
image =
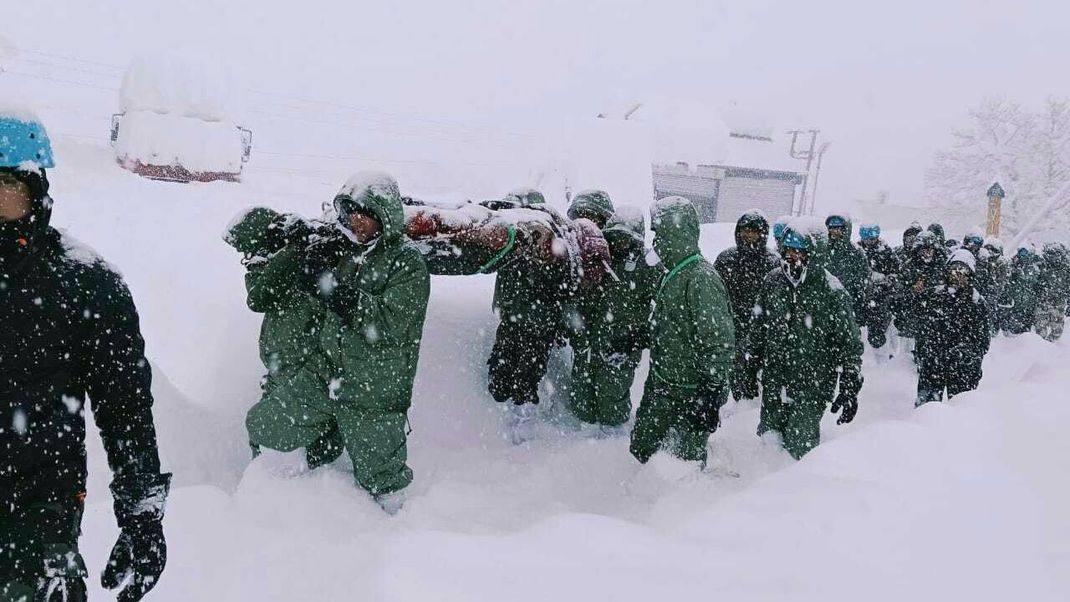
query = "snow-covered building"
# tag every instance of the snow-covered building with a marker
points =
(178, 121)
(724, 163)
(753, 172)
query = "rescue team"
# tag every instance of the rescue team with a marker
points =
(343, 304)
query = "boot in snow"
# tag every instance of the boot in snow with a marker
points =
(520, 422)
(392, 502)
(324, 450)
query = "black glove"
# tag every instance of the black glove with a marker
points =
(140, 554)
(709, 398)
(744, 379)
(319, 257)
(846, 402)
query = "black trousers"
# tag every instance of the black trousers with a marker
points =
(39, 558)
(955, 375)
(518, 360)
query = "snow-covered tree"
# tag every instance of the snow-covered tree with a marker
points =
(1027, 152)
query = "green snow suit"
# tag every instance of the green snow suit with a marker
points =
(692, 342)
(615, 324)
(278, 287)
(799, 337)
(850, 265)
(370, 336)
(1053, 286)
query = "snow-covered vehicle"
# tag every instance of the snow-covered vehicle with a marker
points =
(178, 122)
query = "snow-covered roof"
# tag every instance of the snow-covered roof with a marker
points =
(183, 85)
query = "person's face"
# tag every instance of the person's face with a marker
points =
(837, 232)
(796, 258)
(958, 277)
(908, 240)
(14, 198)
(364, 226)
(751, 237)
(926, 254)
(868, 243)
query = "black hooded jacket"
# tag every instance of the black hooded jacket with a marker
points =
(744, 269)
(68, 331)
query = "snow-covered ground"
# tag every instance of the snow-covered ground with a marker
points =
(964, 500)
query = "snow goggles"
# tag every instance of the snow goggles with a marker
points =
(836, 221)
(973, 240)
(794, 240)
(869, 232)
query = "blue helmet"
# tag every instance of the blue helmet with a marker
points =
(869, 232)
(794, 240)
(778, 230)
(836, 221)
(24, 140)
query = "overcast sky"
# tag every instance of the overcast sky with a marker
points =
(884, 81)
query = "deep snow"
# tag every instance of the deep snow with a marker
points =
(965, 499)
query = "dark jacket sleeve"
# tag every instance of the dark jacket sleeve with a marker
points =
(118, 380)
(269, 282)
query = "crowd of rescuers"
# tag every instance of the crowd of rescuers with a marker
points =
(344, 297)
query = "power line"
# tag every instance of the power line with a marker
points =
(61, 80)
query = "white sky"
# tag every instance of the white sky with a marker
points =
(885, 81)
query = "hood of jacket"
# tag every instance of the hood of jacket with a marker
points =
(676, 230)
(378, 194)
(752, 219)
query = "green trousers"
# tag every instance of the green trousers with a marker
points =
(297, 412)
(39, 553)
(601, 386)
(665, 420)
(796, 415)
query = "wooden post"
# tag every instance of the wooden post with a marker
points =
(995, 204)
(994, 211)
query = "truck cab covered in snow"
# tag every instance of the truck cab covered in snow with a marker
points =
(178, 121)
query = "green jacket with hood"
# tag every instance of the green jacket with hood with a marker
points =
(802, 333)
(693, 338)
(275, 284)
(377, 306)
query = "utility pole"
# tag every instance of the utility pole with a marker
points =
(817, 174)
(808, 155)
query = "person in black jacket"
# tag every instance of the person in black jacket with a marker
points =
(68, 331)
(743, 269)
(953, 334)
(883, 286)
(925, 268)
